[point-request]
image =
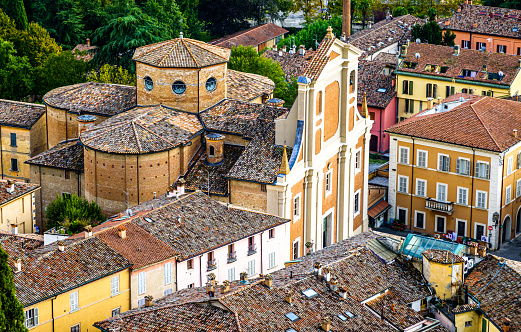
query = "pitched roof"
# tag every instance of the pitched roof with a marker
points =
(485, 123)
(204, 224)
(20, 189)
(92, 98)
(472, 60)
(47, 271)
(320, 59)
(384, 33)
(142, 130)
(497, 288)
(293, 65)
(181, 53)
(489, 21)
(139, 246)
(442, 256)
(378, 87)
(18, 114)
(66, 155)
(246, 86)
(251, 37)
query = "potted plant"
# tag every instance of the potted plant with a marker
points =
(244, 277)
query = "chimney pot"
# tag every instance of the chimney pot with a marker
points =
(326, 324)
(122, 232)
(18, 264)
(88, 41)
(61, 246)
(515, 132)
(14, 229)
(302, 50)
(268, 280)
(429, 103)
(288, 298)
(506, 325)
(457, 50)
(85, 121)
(225, 288)
(149, 301)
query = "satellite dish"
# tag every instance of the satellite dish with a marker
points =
(417, 55)
(418, 40)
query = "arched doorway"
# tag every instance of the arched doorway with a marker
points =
(518, 221)
(507, 226)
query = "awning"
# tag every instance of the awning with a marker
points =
(378, 209)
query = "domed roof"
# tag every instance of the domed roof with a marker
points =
(143, 130)
(181, 53)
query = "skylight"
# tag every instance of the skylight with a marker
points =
(349, 314)
(147, 219)
(381, 90)
(310, 292)
(482, 13)
(515, 29)
(342, 317)
(291, 330)
(292, 317)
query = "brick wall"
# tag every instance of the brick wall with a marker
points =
(248, 195)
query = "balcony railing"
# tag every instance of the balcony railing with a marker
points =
(252, 249)
(433, 205)
(232, 257)
(211, 265)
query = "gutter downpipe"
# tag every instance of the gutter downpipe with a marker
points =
(501, 204)
(52, 312)
(411, 217)
(472, 187)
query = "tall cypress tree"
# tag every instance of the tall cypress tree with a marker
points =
(15, 10)
(11, 311)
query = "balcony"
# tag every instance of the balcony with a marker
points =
(252, 249)
(445, 207)
(211, 265)
(232, 257)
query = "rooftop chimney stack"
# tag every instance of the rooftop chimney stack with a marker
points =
(288, 298)
(506, 325)
(268, 281)
(214, 149)
(429, 103)
(275, 47)
(14, 229)
(475, 25)
(403, 51)
(85, 121)
(149, 301)
(17, 264)
(342, 291)
(456, 50)
(326, 324)
(88, 231)
(301, 50)
(122, 232)
(225, 288)
(515, 132)
(61, 246)
(181, 186)
(88, 41)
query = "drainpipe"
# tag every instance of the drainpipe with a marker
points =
(411, 216)
(501, 205)
(261, 252)
(473, 174)
(52, 311)
(201, 270)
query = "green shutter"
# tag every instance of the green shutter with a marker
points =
(410, 87)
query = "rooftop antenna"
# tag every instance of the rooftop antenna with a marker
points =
(181, 28)
(316, 42)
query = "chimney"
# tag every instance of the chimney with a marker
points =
(506, 325)
(327, 274)
(484, 68)
(469, 2)
(155, 194)
(343, 36)
(88, 231)
(122, 232)
(284, 48)
(317, 268)
(456, 50)
(275, 47)
(515, 132)
(429, 103)
(88, 41)
(214, 149)
(342, 291)
(475, 25)
(181, 186)
(225, 288)
(403, 51)
(301, 50)
(333, 284)
(268, 281)
(85, 121)
(346, 17)
(326, 324)
(288, 298)
(149, 301)
(392, 307)
(447, 23)
(61, 246)
(14, 229)
(17, 264)
(280, 53)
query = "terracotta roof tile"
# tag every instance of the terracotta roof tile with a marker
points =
(371, 81)
(442, 256)
(18, 114)
(320, 59)
(251, 37)
(65, 155)
(20, 189)
(247, 87)
(293, 65)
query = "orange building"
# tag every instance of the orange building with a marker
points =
(459, 171)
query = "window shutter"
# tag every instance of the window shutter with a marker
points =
(476, 170)
(427, 90)
(519, 160)
(412, 106)
(36, 322)
(434, 90)
(458, 166)
(440, 163)
(467, 168)
(168, 273)
(447, 164)
(405, 87)
(410, 87)
(487, 171)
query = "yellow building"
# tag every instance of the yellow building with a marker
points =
(67, 286)
(459, 171)
(17, 209)
(429, 72)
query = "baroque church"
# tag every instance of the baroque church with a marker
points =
(193, 124)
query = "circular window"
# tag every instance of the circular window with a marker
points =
(178, 87)
(211, 84)
(149, 84)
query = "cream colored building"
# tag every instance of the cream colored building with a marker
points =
(17, 206)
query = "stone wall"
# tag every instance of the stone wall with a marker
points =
(248, 195)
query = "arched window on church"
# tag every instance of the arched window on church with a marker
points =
(352, 79)
(212, 151)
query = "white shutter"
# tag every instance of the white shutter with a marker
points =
(36, 322)
(440, 163)
(458, 166)
(231, 274)
(486, 171)
(272, 260)
(73, 301)
(141, 283)
(251, 268)
(447, 164)
(467, 167)
(168, 273)
(114, 285)
(476, 170)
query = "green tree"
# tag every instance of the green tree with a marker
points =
(223, 17)
(15, 73)
(72, 210)
(112, 74)
(399, 11)
(11, 311)
(7, 26)
(428, 33)
(448, 38)
(35, 43)
(167, 14)
(59, 69)
(313, 33)
(310, 8)
(15, 9)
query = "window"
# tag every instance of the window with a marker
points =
(14, 164)
(465, 44)
(510, 164)
(403, 184)
(402, 215)
(73, 301)
(519, 160)
(179, 87)
(192, 285)
(519, 51)
(115, 312)
(31, 317)
(114, 286)
(441, 192)
(518, 188)
(141, 283)
(419, 220)
(449, 91)
(211, 152)
(251, 268)
(404, 155)
(482, 170)
(296, 207)
(432, 90)
(461, 229)
(481, 199)
(271, 234)
(149, 84)
(422, 158)
(508, 195)
(296, 247)
(443, 163)
(67, 175)
(357, 203)
(328, 182)
(76, 328)
(463, 195)
(421, 185)
(309, 293)
(141, 302)
(480, 231)
(440, 224)
(231, 274)
(463, 166)
(481, 46)
(352, 78)
(358, 161)
(501, 48)
(469, 323)
(190, 264)
(407, 87)
(211, 84)
(168, 273)
(263, 187)
(168, 291)
(271, 263)
(409, 106)
(13, 139)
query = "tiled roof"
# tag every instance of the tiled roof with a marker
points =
(497, 291)
(387, 58)
(142, 130)
(490, 21)
(251, 37)
(485, 123)
(459, 95)
(320, 59)
(93, 98)
(18, 114)
(181, 53)
(260, 161)
(465, 307)
(15, 243)
(384, 34)
(66, 155)
(84, 52)
(371, 80)
(246, 86)
(472, 60)
(47, 272)
(20, 189)
(139, 246)
(204, 224)
(293, 65)
(442, 256)
(258, 308)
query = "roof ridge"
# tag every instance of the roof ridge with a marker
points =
(151, 132)
(190, 51)
(136, 136)
(483, 123)
(209, 49)
(156, 45)
(111, 126)
(168, 53)
(21, 102)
